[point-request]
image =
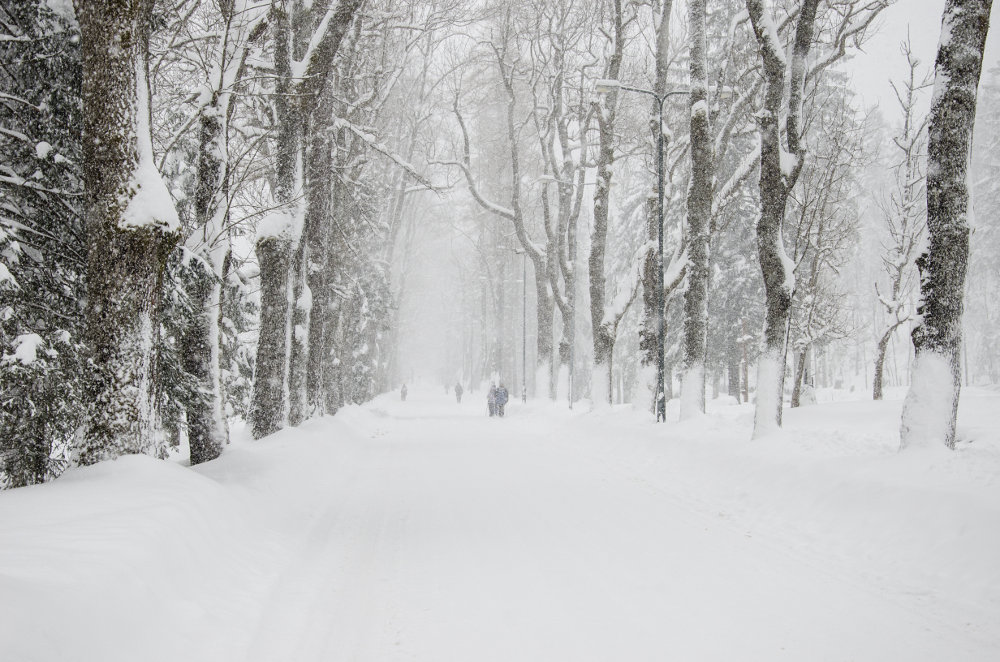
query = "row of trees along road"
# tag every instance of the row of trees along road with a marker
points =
(213, 209)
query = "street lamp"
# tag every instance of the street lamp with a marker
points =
(605, 86)
(524, 323)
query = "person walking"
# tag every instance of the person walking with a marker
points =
(458, 392)
(402, 393)
(501, 399)
(491, 399)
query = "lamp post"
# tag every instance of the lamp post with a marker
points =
(605, 86)
(524, 323)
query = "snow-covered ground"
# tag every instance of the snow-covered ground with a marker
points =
(423, 530)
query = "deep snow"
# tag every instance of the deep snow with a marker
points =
(423, 530)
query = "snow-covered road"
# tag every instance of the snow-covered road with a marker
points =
(426, 531)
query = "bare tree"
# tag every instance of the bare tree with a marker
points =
(209, 243)
(905, 212)
(823, 223)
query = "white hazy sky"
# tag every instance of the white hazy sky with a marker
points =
(882, 59)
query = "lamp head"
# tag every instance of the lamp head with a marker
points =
(606, 85)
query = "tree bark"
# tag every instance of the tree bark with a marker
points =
(319, 217)
(294, 102)
(653, 318)
(699, 205)
(928, 413)
(602, 331)
(208, 430)
(776, 183)
(733, 377)
(883, 344)
(131, 228)
(800, 372)
(276, 250)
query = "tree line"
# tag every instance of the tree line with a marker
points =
(209, 209)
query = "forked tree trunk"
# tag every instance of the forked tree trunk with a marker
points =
(931, 405)
(131, 228)
(778, 172)
(278, 245)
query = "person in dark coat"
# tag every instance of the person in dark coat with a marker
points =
(491, 399)
(501, 399)
(458, 392)
(402, 393)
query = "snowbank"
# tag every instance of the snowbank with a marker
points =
(424, 530)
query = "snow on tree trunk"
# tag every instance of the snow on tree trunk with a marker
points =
(778, 171)
(298, 400)
(651, 320)
(905, 214)
(300, 84)
(699, 204)
(601, 329)
(651, 317)
(319, 217)
(880, 350)
(277, 238)
(269, 405)
(208, 430)
(931, 405)
(132, 226)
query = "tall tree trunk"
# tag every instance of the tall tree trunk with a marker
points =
(776, 183)
(651, 317)
(699, 204)
(931, 405)
(800, 373)
(298, 398)
(131, 228)
(600, 327)
(278, 250)
(733, 377)
(319, 218)
(276, 244)
(880, 349)
(208, 430)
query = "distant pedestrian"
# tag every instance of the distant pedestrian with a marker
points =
(402, 393)
(491, 399)
(501, 399)
(458, 392)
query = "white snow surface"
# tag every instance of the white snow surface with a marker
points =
(928, 402)
(43, 149)
(692, 391)
(6, 277)
(149, 202)
(424, 530)
(25, 349)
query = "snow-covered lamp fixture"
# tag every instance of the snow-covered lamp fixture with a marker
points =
(606, 85)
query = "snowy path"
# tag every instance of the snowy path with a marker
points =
(432, 532)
